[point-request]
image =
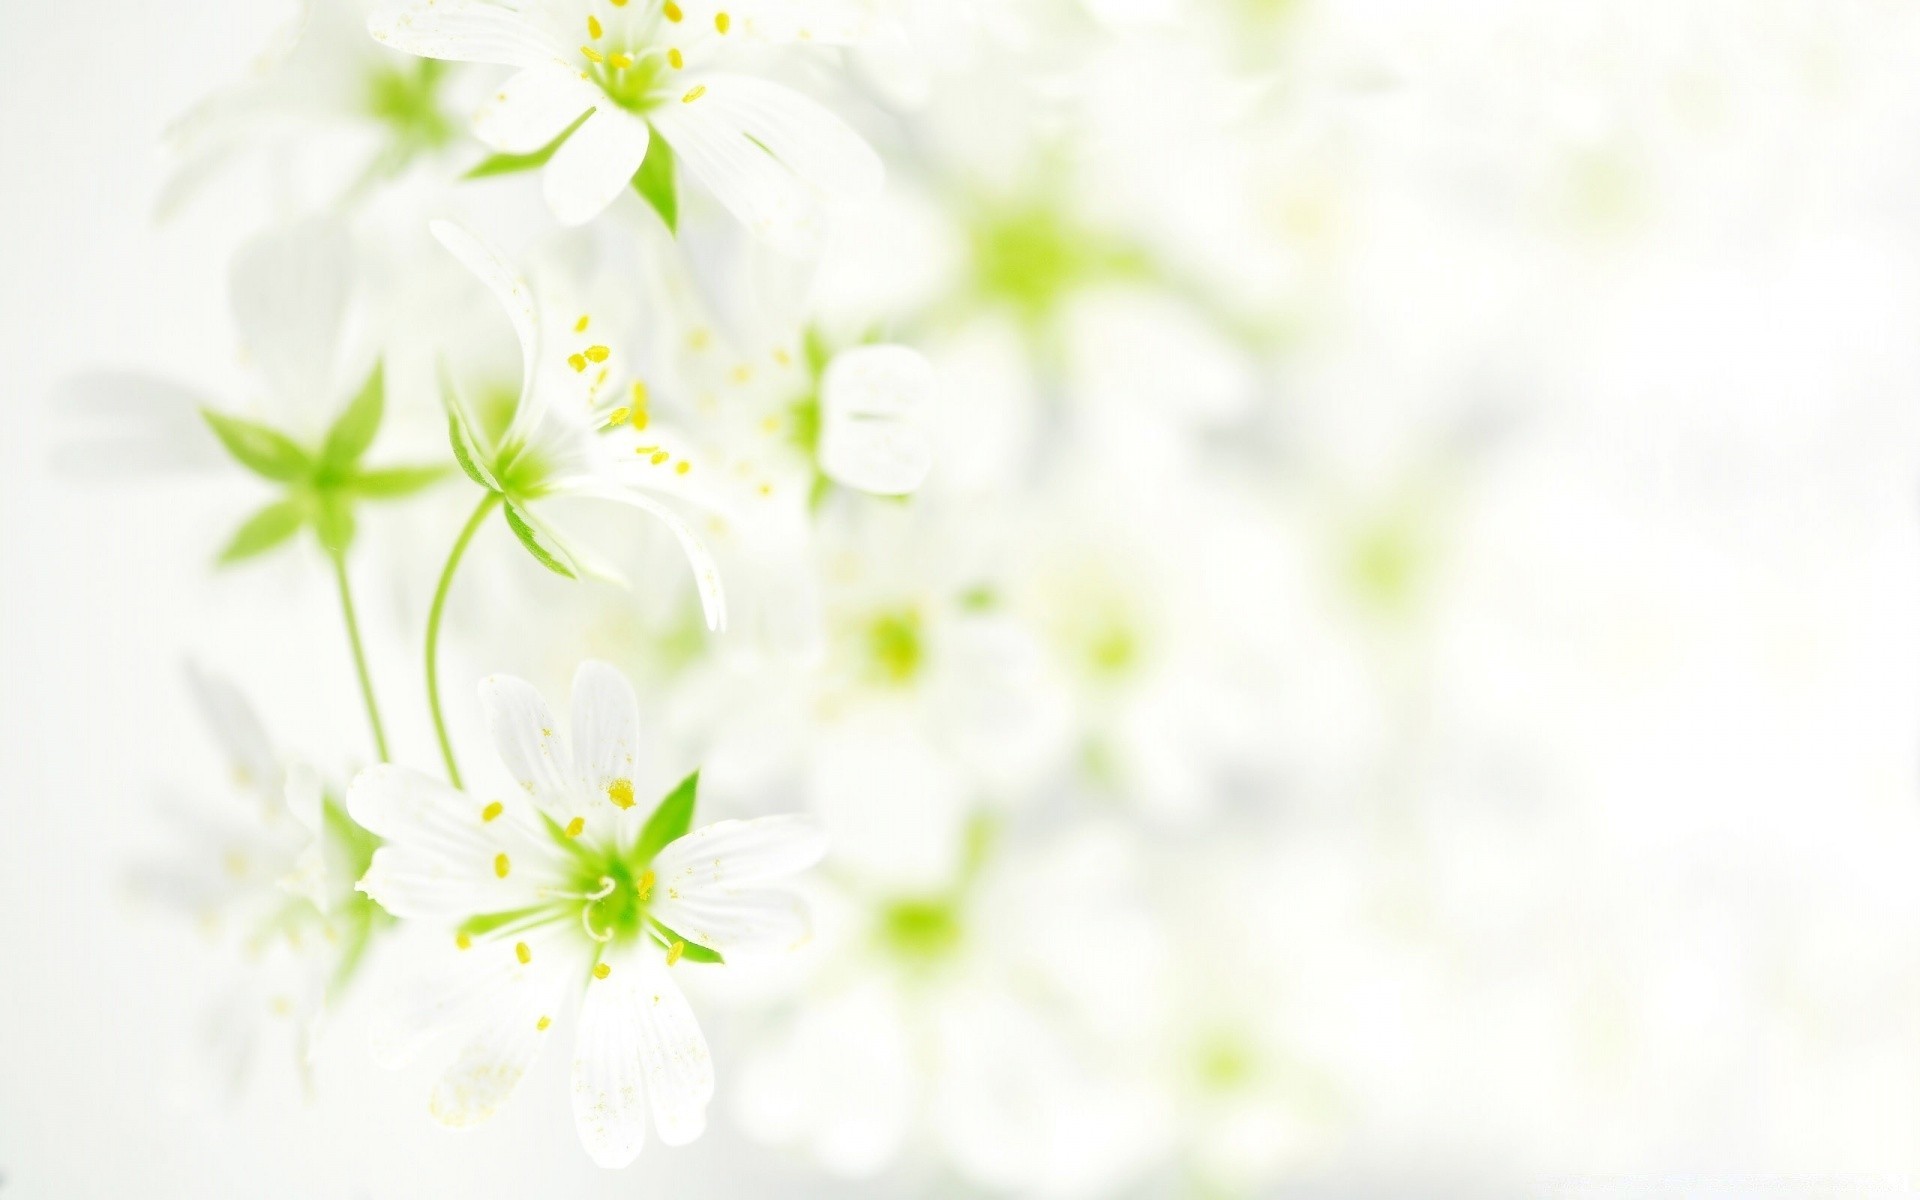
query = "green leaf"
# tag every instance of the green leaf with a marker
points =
(513, 164)
(264, 530)
(655, 182)
(488, 922)
(354, 429)
(391, 483)
(261, 450)
(536, 544)
(670, 819)
(333, 521)
(689, 951)
(466, 447)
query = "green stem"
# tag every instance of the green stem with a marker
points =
(433, 631)
(359, 655)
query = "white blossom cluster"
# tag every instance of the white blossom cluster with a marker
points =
(1069, 598)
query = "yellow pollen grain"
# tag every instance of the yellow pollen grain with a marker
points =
(782, 357)
(601, 970)
(492, 810)
(766, 489)
(675, 951)
(645, 886)
(501, 865)
(673, 11)
(620, 791)
(639, 405)
(597, 354)
(523, 952)
(695, 94)
(682, 468)
(462, 940)
(659, 456)
(770, 424)
(645, 449)
(619, 415)
(742, 373)
(721, 21)
(619, 3)
(676, 59)
(577, 361)
(575, 826)
(580, 326)
(620, 62)
(593, 27)
(592, 54)
(543, 1023)
(699, 339)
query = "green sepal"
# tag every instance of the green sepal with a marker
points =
(655, 181)
(534, 542)
(670, 819)
(467, 449)
(354, 429)
(689, 951)
(264, 530)
(391, 483)
(265, 452)
(513, 164)
(333, 521)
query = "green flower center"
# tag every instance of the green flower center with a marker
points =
(1030, 255)
(895, 646)
(407, 101)
(920, 932)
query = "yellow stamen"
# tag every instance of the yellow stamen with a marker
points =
(577, 362)
(675, 951)
(601, 970)
(619, 415)
(782, 357)
(742, 373)
(620, 62)
(646, 885)
(673, 11)
(575, 826)
(462, 940)
(597, 354)
(593, 27)
(682, 468)
(676, 59)
(501, 865)
(695, 94)
(492, 810)
(645, 449)
(592, 54)
(639, 405)
(522, 952)
(620, 791)
(542, 1023)
(659, 456)
(721, 21)
(580, 326)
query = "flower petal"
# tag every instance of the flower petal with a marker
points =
(512, 1035)
(534, 107)
(732, 854)
(236, 726)
(606, 728)
(706, 572)
(289, 288)
(638, 1041)
(463, 31)
(527, 738)
(492, 269)
(594, 165)
(736, 922)
(443, 855)
(874, 409)
(805, 135)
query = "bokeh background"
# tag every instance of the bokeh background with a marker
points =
(1513, 441)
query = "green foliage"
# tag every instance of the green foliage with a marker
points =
(513, 164)
(537, 545)
(655, 182)
(689, 951)
(319, 489)
(670, 819)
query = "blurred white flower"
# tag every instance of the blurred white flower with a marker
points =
(572, 888)
(611, 77)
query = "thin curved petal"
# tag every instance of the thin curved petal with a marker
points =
(803, 134)
(445, 851)
(733, 854)
(606, 729)
(463, 31)
(875, 403)
(518, 1019)
(609, 1097)
(594, 165)
(772, 202)
(533, 107)
(706, 572)
(491, 268)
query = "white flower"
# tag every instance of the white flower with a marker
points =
(565, 888)
(635, 69)
(553, 446)
(337, 111)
